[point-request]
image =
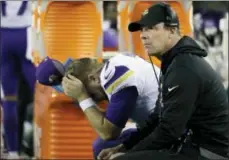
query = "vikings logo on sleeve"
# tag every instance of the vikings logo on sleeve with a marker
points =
(116, 78)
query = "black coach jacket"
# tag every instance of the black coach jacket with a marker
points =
(193, 97)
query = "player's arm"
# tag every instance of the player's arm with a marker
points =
(119, 109)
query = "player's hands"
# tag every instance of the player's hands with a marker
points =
(109, 153)
(74, 88)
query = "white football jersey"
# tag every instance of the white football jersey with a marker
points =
(16, 14)
(129, 70)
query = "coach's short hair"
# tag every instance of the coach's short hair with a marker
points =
(81, 68)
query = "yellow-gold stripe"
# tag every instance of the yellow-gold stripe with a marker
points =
(119, 81)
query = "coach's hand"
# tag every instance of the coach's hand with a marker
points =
(113, 156)
(106, 154)
(74, 88)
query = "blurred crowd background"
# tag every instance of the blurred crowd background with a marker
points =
(207, 32)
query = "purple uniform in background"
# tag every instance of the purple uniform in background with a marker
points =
(110, 38)
(16, 17)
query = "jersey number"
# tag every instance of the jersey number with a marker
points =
(20, 12)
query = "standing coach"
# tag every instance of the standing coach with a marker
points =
(192, 98)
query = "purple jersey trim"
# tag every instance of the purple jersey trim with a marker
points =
(21, 10)
(23, 7)
(119, 71)
(121, 106)
(3, 7)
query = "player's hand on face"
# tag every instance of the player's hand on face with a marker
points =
(74, 88)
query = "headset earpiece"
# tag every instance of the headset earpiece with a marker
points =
(171, 16)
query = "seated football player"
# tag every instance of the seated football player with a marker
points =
(126, 81)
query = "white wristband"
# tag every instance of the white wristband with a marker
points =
(87, 103)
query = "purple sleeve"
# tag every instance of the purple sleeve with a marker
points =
(121, 106)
